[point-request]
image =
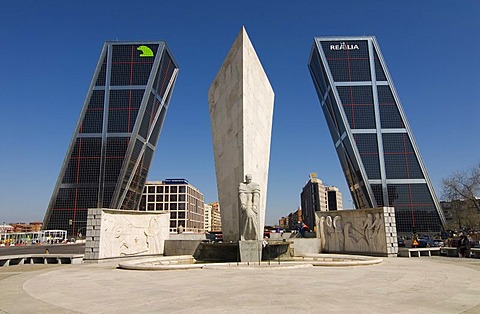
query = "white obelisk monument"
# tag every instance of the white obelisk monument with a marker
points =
(241, 113)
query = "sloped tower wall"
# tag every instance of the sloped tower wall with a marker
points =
(371, 134)
(113, 143)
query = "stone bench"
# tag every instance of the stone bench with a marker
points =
(423, 251)
(475, 252)
(40, 259)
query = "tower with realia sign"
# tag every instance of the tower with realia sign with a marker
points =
(370, 131)
(112, 147)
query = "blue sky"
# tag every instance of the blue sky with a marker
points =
(49, 50)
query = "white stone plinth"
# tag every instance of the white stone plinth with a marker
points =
(115, 233)
(250, 251)
(241, 113)
(367, 231)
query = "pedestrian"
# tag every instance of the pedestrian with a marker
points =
(304, 228)
(298, 228)
(464, 246)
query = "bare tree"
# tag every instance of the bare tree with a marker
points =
(463, 185)
(462, 190)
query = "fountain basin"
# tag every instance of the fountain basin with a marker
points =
(307, 260)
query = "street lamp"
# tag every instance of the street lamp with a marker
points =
(79, 234)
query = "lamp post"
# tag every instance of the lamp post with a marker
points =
(79, 234)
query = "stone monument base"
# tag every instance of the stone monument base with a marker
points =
(250, 251)
(370, 231)
(113, 233)
(217, 252)
(230, 252)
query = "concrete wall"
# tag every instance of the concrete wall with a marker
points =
(303, 246)
(116, 233)
(364, 231)
(281, 236)
(241, 113)
(180, 247)
(188, 236)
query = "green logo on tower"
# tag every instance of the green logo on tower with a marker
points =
(146, 51)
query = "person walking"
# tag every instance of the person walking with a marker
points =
(304, 228)
(464, 246)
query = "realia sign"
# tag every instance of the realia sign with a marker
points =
(343, 46)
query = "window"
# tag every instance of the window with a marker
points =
(368, 149)
(389, 114)
(358, 106)
(400, 159)
(159, 189)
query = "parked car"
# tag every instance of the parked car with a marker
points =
(422, 242)
(401, 243)
(428, 242)
(214, 236)
(438, 243)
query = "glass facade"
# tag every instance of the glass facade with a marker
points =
(374, 143)
(107, 162)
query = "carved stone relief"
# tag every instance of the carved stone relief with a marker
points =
(129, 234)
(353, 231)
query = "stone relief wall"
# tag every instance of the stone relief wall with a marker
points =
(370, 231)
(116, 233)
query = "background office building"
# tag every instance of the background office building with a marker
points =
(26, 227)
(334, 198)
(372, 137)
(216, 217)
(315, 196)
(181, 199)
(283, 223)
(293, 219)
(208, 217)
(109, 156)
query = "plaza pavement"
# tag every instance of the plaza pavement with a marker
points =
(398, 285)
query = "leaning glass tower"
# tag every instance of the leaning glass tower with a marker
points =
(109, 156)
(375, 145)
